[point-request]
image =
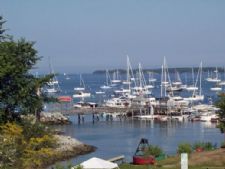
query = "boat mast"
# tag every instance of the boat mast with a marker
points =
(200, 83)
(140, 81)
(162, 81)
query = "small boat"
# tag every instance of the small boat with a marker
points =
(191, 88)
(81, 94)
(99, 92)
(216, 89)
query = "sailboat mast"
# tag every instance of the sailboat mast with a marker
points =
(165, 82)
(193, 76)
(200, 83)
(128, 73)
(162, 81)
(106, 77)
(140, 79)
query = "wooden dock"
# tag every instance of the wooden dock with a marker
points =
(117, 158)
(98, 110)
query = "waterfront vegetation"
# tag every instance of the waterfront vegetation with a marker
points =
(24, 143)
(196, 160)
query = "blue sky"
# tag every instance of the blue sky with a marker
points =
(85, 35)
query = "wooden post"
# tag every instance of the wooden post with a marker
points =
(132, 114)
(78, 118)
(93, 117)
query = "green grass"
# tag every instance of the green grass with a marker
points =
(130, 166)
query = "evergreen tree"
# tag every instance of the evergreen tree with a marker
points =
(19, 90)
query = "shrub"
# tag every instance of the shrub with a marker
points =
(20, 149)
(208, 146)
(154, 151)
(203, 145)
(223, 144)
(32, 130)
(184, 148)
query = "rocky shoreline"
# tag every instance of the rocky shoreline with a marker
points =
(68, 147)
(71, 147)
(53, 118)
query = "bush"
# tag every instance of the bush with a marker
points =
(203, 146)
(33, 130)
(184, 148)
(208, 146)
(154, 151)
(20, 147)
(223, 144)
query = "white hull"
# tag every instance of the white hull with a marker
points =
(216, 89)
(82, 95)
(213, 80)
(116, 81)
(152, 80)
(100, 92)
(79, 89)
(206, 117)
(52, 90)
(105, 87)
(195, 98)
(222, 83)
(191, 88)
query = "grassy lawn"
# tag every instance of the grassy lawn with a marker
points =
(203, 160)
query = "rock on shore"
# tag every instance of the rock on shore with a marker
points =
(70, 147)
(54, 118)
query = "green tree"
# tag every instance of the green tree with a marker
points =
(221, 104)
(19, 89)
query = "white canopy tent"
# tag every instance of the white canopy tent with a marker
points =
(97, 163)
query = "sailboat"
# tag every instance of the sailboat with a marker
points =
(66, 76)
(165, 80)
(192, 87)
(53, 84)
(195, 96)
(215, 78)
(80, 91)
(116, 79)
(177, 84)
(108, 81)
(151, 77)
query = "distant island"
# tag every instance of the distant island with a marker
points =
(158, 70)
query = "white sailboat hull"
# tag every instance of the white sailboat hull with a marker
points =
(216, 89)
(82, 95)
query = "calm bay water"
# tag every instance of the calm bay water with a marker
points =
(113, 138)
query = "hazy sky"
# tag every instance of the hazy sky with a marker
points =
(85, 35)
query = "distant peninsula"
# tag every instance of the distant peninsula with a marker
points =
(158, 70)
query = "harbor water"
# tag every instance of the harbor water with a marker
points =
(121, 136)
